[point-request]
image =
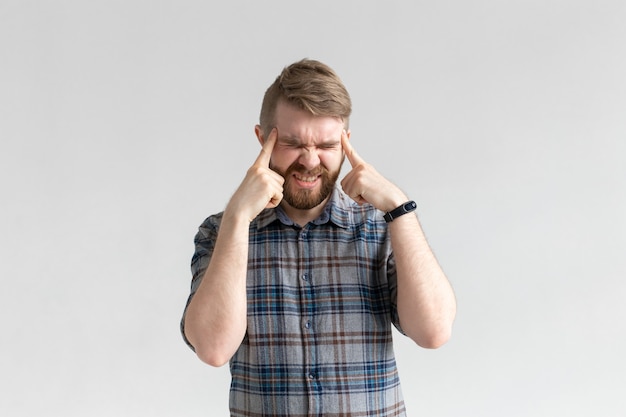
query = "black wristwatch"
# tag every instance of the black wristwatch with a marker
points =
(399, 211)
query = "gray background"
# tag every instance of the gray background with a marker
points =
(125, 123)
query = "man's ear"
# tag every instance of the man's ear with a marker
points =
(259, 134)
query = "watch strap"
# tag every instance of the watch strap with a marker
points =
(405, 208)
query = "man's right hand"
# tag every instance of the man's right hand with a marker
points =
(261, 188)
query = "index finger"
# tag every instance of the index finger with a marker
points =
(266, 151)
(353, 157)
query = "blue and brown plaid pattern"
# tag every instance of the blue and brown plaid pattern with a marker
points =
(321, 301)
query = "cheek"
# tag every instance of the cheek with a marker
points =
(283, 158)
(331, 160)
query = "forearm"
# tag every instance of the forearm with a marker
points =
(426, 301)
(215, 321)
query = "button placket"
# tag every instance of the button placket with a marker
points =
(307, 315)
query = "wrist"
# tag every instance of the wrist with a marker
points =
(394, 202)
(236, 217)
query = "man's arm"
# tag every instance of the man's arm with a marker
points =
(215, 320)
(426, 301)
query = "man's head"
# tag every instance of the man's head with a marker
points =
(309, 107)
(308, 85)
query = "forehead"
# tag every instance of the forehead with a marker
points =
(296, 124)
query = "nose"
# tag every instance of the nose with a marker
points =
(309, 158)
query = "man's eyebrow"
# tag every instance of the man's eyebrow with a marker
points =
(292, 140)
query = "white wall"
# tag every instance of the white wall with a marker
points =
(123, 124)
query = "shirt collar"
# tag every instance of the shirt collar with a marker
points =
(336, 211)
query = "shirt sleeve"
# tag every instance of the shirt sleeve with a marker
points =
(204, 243)
(392, 281)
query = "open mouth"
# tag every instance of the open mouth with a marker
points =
(306, 181)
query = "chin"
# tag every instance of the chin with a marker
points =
(305, 200)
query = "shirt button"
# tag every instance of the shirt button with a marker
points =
(311, 375)
(307, 325)
(305, 277)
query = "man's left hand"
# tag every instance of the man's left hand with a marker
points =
(365, 185)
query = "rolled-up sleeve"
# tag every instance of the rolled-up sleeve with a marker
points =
(204, 243)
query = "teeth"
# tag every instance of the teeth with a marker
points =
(306, 179)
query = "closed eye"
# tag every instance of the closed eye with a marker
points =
(328, 146)
(291, 144)
(296, 144)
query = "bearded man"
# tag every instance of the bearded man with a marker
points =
(297, 283)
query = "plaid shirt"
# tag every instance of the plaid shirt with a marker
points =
(321, 301)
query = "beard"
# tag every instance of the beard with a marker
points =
(305, 199)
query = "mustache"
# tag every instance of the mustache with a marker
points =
(301, 169)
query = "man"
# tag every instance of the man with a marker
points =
(298, 281)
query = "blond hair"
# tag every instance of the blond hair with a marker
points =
(311, 86)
